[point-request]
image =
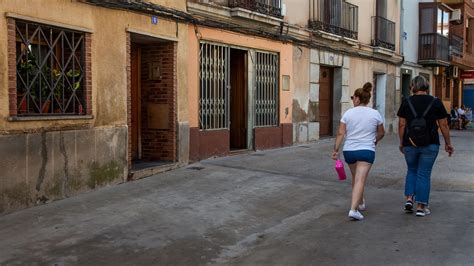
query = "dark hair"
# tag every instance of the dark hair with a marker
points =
(364, 93)
(419, 83)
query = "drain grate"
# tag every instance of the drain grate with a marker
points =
(195, 168)
(258, 154)
(304, 147)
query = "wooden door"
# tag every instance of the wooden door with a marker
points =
(135, 104)
(238, 100)
(325, 101)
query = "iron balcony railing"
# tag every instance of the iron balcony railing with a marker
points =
(433, 47)
(455, 45)
(336, 17)
(266, 7)
(383, 33)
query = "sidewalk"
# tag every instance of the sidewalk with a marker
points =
(276, 207)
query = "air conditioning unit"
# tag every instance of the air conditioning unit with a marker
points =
(436, 71)
(456, 16)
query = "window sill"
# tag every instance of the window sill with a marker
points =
(49, 118)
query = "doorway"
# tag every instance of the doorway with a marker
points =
(379, 92)
(152, 119)
(135, 56)
(238, 99)
(325, 101)
(406, 78)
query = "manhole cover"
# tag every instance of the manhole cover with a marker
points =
(195, 168)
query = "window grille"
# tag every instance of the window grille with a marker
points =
(49, 70)
(266, 93)
(214, 88)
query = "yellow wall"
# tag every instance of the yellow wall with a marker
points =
(109, 76)
(220, 36)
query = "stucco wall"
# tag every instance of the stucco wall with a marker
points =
(108, 55)
(219, 36)
(47, 160)
(297, 12)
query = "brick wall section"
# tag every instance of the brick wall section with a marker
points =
(129, 99)
(12, 67)
(159, 144)
(88, 74)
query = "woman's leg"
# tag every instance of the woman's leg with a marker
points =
(353, 168)
(426, 161)
(362, 170)
(411, 158)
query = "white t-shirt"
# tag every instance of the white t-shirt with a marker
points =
(461, 111)
(361, 128)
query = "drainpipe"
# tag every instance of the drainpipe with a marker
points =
(402, 14)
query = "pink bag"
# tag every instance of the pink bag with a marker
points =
(341, 174)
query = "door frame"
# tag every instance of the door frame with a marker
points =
(331, 99)
(134, 47)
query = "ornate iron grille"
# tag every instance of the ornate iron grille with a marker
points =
(266, 93)
(383, 33)
(214, 87)
(336, 17)
(267, 7)
(49, 70)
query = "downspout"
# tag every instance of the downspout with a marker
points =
(402, 32)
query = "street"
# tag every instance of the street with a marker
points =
(273, 207)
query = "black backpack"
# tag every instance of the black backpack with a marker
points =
(418, 131)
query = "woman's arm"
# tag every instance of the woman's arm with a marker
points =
(341, 132)
(402, 122)
(380, 133)
(443, 126)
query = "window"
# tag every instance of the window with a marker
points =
(215, 96)
(214, 92)
(443, 22)
(50, 70)
(266, 93)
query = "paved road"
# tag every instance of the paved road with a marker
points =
(277, 207)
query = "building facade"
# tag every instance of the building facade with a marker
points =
(102, 92)
(89, 95)
(346, 43)
(239, 78)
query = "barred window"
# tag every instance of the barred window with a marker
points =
(214, 87)
(49, 70)
(266, 94)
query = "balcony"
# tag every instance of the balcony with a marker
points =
(336, 17)
(433, 50)
(266, 7)
(383, 33)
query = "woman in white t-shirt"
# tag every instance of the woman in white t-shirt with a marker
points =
(362, 127)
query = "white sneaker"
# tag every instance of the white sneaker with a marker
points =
(361, 207)
(427, 210)
(355, 215)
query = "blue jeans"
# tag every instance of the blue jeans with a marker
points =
(420, 161)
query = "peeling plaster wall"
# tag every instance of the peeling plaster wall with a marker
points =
(41, 167)
(301, 95)
(47, 160)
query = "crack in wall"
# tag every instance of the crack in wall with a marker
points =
(62, 148)
(44, 157)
